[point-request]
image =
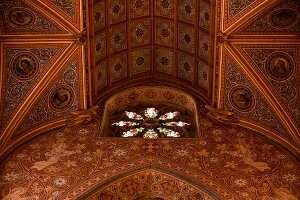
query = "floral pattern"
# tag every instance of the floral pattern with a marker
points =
(233, 163)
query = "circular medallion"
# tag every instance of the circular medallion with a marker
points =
(20, 17)
(283, 18)
(61, 98)
(279, 66)
(242, 98)
(24, 66)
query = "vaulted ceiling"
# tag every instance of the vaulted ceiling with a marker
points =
(62, 56)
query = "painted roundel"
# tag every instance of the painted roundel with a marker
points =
(20, 17)
(283, 18)
(242, 98)
(61, 98)
(279, 66)
(24, 66)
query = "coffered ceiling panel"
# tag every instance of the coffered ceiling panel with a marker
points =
(164, 60)
(101, 75)
(280, 18)
(23, 67)
(20, 17)
(243, 98)
(170, 38)
(118, 67)
(61, 97)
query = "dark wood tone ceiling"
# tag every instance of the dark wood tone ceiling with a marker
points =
(241, 56)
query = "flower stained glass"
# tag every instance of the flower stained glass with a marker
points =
(151, 112)
(133, 115)
(150, 133)
(168, 132)
(152, 123)
(169, 115)
(125, 123)
(132, 132)
(180, 123)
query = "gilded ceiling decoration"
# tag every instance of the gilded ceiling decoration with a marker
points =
(144, 38)
(19, 17)
(241, 97)
(225, 163)
(61, 56)
(281, 18)
(62, 97)
(150, 184)
(278, 64)
(26, 66)
(255, 68)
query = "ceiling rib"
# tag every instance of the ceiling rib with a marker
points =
(270, 135)
(247, 16)
(31, 99)
(47, 10)
(264, 89)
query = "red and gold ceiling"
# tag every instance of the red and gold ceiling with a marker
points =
(61, 56)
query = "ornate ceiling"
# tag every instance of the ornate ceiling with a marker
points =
(166, 41)
(229, 163)
(61, 56)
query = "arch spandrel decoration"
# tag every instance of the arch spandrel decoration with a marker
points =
(150, 184)
(166, 99)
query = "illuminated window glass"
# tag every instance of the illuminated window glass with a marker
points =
(152, 123)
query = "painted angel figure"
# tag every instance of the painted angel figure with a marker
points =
(17, 193)
(243, 151)
(58, 151)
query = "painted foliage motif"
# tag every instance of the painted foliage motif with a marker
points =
(24, 67)
(20, 17)
(66, 5)
(281, 18)
(240, 99)
(279, 65)
(150, 185)
(232, 162)
(61, 99)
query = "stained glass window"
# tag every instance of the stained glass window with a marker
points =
(152, 123)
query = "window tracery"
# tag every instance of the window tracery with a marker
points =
(152, 122)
